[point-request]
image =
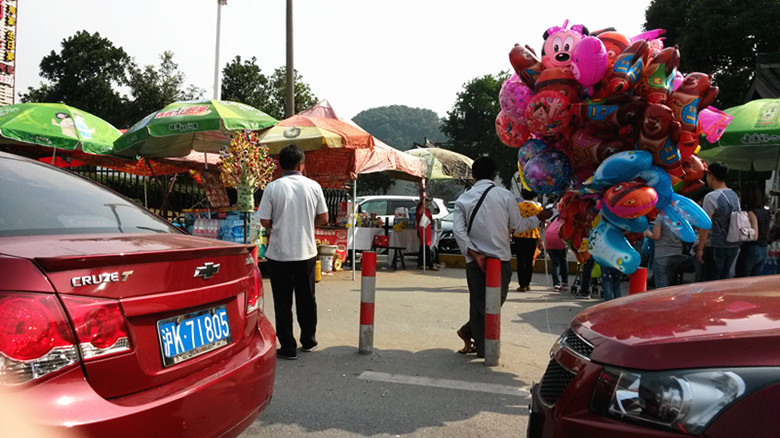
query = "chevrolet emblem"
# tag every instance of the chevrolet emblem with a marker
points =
(206, 271)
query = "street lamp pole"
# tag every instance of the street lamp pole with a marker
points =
(289, 108)
(217, 85)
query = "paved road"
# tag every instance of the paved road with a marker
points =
(414, 383)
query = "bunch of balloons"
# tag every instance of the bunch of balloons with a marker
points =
(607, 122)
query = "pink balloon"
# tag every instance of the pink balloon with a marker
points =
(714, 122)
(589, 61)
(514, 97)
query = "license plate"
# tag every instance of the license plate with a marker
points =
(186, 336)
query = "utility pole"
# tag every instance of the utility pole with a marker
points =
(217, 84)
(289, 108)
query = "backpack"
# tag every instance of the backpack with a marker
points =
(739, 229)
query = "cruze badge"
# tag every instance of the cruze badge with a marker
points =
(99, 279)
(206, 271)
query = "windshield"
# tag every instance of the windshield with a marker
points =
(38, 199)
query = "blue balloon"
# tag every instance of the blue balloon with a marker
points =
(636, 225)
(608, 246)
(659, 180)
(679, 226)
(691, 212)
(620, 167)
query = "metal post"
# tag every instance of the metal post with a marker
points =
(493, 312)
(217, 86)
(367, 295)
(290, 101)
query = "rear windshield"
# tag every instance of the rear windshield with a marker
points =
(37, 199)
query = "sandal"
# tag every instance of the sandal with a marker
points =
(467, 350)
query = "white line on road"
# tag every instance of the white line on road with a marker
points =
(445, 383)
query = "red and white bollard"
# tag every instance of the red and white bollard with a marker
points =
(367, 293)
(493, 312)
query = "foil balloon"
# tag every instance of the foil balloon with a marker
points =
(620, 167)
(635, 225)
(511, 132)
(615, 43)
(547, 172)
(625, 71)
(656, 81)
(589, 62)
(561, 80)
(630, 200)
(514, 97)
(530, 149)
(559, 44)
(548, 113)
(608, 246)
(714, 123)
(525, 63)
(692, 212)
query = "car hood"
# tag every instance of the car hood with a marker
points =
(723, 323)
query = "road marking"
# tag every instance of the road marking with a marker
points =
(445, 383)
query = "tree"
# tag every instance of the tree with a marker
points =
(86, 74)
(244, 82)
(155, 87)
(277, 94)
(719, 38)
(470, 125)
(400, 126)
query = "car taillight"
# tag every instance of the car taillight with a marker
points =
(254, 296)
(100, 326)
(35, 339)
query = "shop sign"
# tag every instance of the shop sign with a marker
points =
(8, 20)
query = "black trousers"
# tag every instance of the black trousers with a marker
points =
(428, 256)
(476, 279)
(294, 277)
(524, 251)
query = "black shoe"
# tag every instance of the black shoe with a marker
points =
(310, 349)
(286, 355)
(584, 296)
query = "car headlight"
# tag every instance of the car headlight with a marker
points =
(684, 401)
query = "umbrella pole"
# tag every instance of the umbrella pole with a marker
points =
(53, 155)
(354, 224)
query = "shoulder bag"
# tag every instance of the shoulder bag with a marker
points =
(739, 225)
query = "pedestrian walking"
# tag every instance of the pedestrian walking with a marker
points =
(715, 252)
(669, 253)
(484, 218)
(525, 242)
(753, 255)
(424, 220)
(557, 249)
(290, 209)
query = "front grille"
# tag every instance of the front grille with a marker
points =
(554, 382)
(574, 342)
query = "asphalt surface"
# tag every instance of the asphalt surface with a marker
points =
(414, 383)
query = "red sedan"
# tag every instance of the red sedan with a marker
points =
(114, 323)
(701, 359)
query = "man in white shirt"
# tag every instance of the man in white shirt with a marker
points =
(290, 209)
(482, 226)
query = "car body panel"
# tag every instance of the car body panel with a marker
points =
(96, 248)
(713, 325)
(384, 206)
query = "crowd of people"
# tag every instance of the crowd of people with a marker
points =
(485, 217)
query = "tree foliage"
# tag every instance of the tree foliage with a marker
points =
(152, 88)
(400, 126)
(719, 38)
(277, 94)
(85, 74)
(470, 125)
(244, 82)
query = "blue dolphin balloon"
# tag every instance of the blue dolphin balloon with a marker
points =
(636, 225)
(620, 167)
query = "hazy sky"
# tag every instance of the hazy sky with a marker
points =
(358, 54)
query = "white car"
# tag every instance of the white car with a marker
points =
(384, 206)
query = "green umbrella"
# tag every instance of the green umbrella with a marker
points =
(444, 164)
(57, 126)
(751, 140)
(184, 127)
